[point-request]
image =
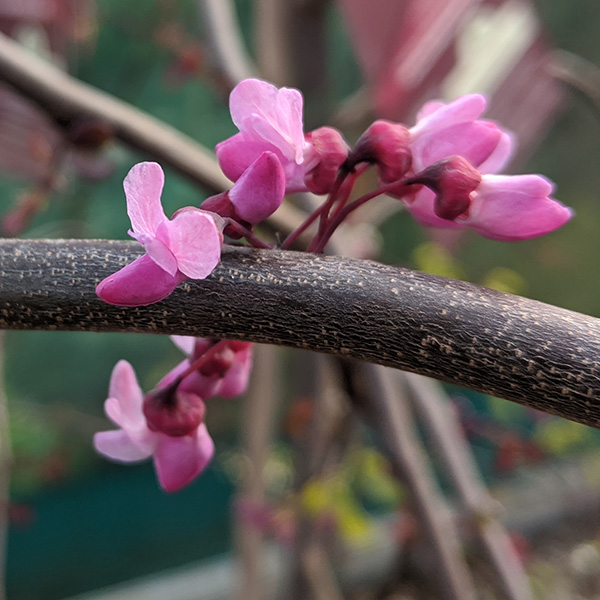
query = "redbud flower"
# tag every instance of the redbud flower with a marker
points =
(328, 151)
(387, 145)
(188, 246)
(256, 195)
(177, 460)
(268, 119)
(226, 374)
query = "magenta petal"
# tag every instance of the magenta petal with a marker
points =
(195, 241)
(179, 460)
(118, 446)
(464, 109)
(499, 157)
(475, 141)
(236, 380)
(140, 283)
(511, 208)
(143, 187)
(258, 193)
(421, 207)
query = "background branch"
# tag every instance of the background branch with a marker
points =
(519, 349)
(68, 100)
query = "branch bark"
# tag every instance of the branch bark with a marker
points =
(538, 355)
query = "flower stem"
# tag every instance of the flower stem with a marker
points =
(252, 239)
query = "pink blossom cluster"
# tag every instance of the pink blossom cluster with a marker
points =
(167, 424)
(444, 170)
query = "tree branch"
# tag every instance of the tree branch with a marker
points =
(519, 349)
(68, 100)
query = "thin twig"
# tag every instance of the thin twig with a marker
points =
(257, 429)
(431, 405)
(5, 463)
(222, 31)
(69, 101)
(393, 419)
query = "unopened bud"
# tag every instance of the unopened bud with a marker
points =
(386, 145)
(452, 179)
(328, 153)
(173, 412)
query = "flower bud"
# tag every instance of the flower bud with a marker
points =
(387, 145)
(327, 153)
(452, 179)
(173, 412)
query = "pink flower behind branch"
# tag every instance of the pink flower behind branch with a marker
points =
(177, 460)
(188, 246)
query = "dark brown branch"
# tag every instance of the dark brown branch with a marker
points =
(533, 353)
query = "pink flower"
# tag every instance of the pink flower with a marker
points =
(188, 246)
(447, 142)
(268, 119)
(226, 374)
(177, 460)
(256, 195)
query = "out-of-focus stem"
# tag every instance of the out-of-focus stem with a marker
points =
(256, 433)
(222, 31)
(5, 462)
(393, 419)
(431, 406)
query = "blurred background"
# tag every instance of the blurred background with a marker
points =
(77, 523)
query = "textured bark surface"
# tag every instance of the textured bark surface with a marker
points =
(512, 347)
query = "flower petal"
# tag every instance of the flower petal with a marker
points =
(118, 446)
(195, 241)
(464, 109)
(258, 193)
(510, 208)
(476, 141)
(158, 249)
(125, 398)
(140, 283)
(421, 207)
(143, 187)
(185, 343)
(236, 380)
(179, 460)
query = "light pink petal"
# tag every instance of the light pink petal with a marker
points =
(185, 343)
(464, 109)
(429, 108)
(499, 157)
(195, 241)
(125, 398)
(258, 193)
(421, 206)
(236, 380)
(143, 187)
(516, 208)
(173, 374)
(118, 446)
(140, 283)
(475, 141)
(158, 250)
(179, 460)
(274, 115)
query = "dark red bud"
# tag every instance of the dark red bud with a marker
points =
(218, 364)
(329, 151)
(386, 145)
(452, 179)
(90, 134)
(173, 412)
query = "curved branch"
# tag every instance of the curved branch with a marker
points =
(66, 100)
(519, 349)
